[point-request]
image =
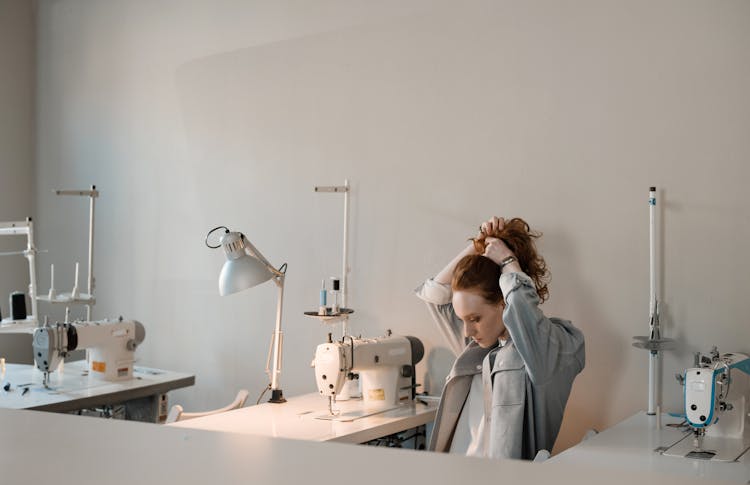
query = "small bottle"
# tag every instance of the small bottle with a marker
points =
(52, 295)
(335, 296)
(322, 307)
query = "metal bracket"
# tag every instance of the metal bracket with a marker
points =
(332, 188)
(81, 193)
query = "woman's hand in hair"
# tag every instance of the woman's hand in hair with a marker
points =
(492, 226)
(496, 250)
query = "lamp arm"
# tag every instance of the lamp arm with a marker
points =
(278, 345)
(253, 251)
(278, 335)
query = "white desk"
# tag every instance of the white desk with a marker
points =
(295, 419)
(21, 326)
(50, 448)
(630, 445)
(74, 389)
(15, 341)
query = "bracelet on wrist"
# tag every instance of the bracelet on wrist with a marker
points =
(505, 262)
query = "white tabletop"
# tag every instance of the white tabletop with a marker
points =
(65, 449)
(630, 445)
(296, 419)
(18, 326)
(75, 389)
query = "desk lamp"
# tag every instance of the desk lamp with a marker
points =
(244, 268)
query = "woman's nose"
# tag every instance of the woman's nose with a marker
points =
(469, 330)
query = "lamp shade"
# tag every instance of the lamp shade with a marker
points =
(240, 274)
(240, 271)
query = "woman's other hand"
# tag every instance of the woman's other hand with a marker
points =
(492, 226)
(496, 250)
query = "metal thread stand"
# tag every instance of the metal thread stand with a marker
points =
(20, 229)
(87, 298)
(344, 315)
(654, 342)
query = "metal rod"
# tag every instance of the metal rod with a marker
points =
(345, 259)
(277, 347)
(658, 417)
(14, 228)
(281, 347)
(652, 253)
(270, 352)
(653, 358)
(31, 256)
(92, 199)
(653, 365)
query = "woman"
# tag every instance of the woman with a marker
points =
(506, 393)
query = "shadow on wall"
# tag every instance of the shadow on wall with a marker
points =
(590, 397)
(439, 363)
(15, 347)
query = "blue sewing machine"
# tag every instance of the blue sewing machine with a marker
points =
(716, 392)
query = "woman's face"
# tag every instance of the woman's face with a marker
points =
(483, 321)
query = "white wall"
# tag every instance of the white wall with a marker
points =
(16, 135)
(17, 61)
(190, 114)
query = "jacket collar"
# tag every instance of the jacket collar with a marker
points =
(470, 360)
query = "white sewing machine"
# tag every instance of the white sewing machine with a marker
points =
(716, 408)
(111, 346)
(385, 366)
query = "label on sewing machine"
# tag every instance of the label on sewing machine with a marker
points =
(376, 394)
(98, 366)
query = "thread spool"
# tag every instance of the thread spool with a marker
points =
(52, 292)
(75, 292)
(335, 296)
(18, 306)
(322, 310)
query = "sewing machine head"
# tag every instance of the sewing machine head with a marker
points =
(385, 366)
(716, 405)
(111, 346)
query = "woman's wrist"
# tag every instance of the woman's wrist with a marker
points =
(511, 267)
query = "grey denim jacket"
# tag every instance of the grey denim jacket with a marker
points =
(526, 382)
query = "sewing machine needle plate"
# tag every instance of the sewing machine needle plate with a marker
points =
(354, 414)
(713, 449)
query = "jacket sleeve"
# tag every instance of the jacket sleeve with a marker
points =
(546, 346)
(437, 296)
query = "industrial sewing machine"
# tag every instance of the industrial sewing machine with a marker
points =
(111, 346)
(716, 392)
(385, 366)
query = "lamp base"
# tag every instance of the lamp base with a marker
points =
(277, 396)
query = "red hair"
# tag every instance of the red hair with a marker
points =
(478, 272)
